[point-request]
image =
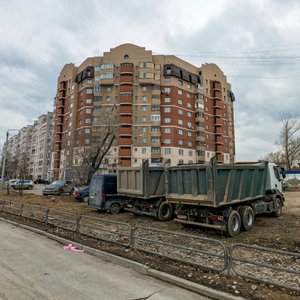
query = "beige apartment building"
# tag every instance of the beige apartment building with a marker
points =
(29, 151)
(165, 110)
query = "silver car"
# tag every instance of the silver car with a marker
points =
(22, 184)
(58, 187)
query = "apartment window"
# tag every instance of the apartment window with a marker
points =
(167, 120)
(144, 89)
(190, 144)
(86, 141)
(87, 121)
(90, 91)
(167, 100)
(146, 65)
(180, 122)
(168, 151)
(155, 117)
(189, 114)
(144, 108)
(144, 119)
(106, 76)
(200, 105)
(167, 109)
(144, 140)
(190, 153)
(180, 102)
(189, 124)
(180, 142)
(167, 130)
(179, 92)
(190, 133)
(167, 141)
(155, 107)
(107, 109)
(107, 66)
(144, 98)
(88, 110)
(82, 84)
(108, 89)
(87, 130)
(155, 150)
(155, 139)
(89, 81)
(189, 105)
(107, 98)
(180, 82)
(189, 87)
(180, 152)
(180, 132)
(180, 111)
(146, 75)
(167, 80)
(97, 68)
(144, 150)
(167, 90)
(144, 129)
(88, 101)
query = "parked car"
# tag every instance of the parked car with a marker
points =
(11, 182)
(58, 187)
(82, 194)
(22, 184)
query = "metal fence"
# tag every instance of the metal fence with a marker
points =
(276, 267)
(186, 248)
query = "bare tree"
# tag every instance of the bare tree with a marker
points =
(90, 159)
(289, 139)
(275, 157)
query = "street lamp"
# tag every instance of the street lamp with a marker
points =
(5, 154)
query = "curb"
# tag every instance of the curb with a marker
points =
(138, 267)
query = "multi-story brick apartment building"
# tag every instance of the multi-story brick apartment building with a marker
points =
(29, 151)
(167, 110)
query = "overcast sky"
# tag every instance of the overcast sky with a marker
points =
(256, 43)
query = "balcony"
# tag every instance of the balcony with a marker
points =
(106, 81)
(126, 89)
(60, 112)
(146, 81)
(60, 103)
(57, 139)
(126, 68)
(57, 156)
(126, 79)
(218, 122)
(217, 104)
(125, 162)
(124, 119)
(218, 113)
(61, 95)
(219, 130)
(220, 149)
(59, 120)
(217, 86)
(125, 109)
(59, 129)
(125, 151)
(125, 99)
(125, 131)
(62, 86)
(56, 165)
(219, 158)
(219, 140)
(125, 141)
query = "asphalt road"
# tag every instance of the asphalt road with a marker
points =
(34, 267)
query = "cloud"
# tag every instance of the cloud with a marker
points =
(256, 43)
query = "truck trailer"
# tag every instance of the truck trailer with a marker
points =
(224, 197)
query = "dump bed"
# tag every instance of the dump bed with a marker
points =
(141, 182)
(214, 184)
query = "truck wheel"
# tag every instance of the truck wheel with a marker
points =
(233, 224)
(277, 208)
(247, 217)
(85, 199)
(165, 211)
(115, 208)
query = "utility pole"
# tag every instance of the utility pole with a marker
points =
(5, 155)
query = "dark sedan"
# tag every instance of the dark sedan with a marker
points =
(82, 194)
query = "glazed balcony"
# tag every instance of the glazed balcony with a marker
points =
(146, 81)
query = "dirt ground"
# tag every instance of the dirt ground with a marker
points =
(278, 233)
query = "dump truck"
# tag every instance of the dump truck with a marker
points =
(224, 197)
(144, 188)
